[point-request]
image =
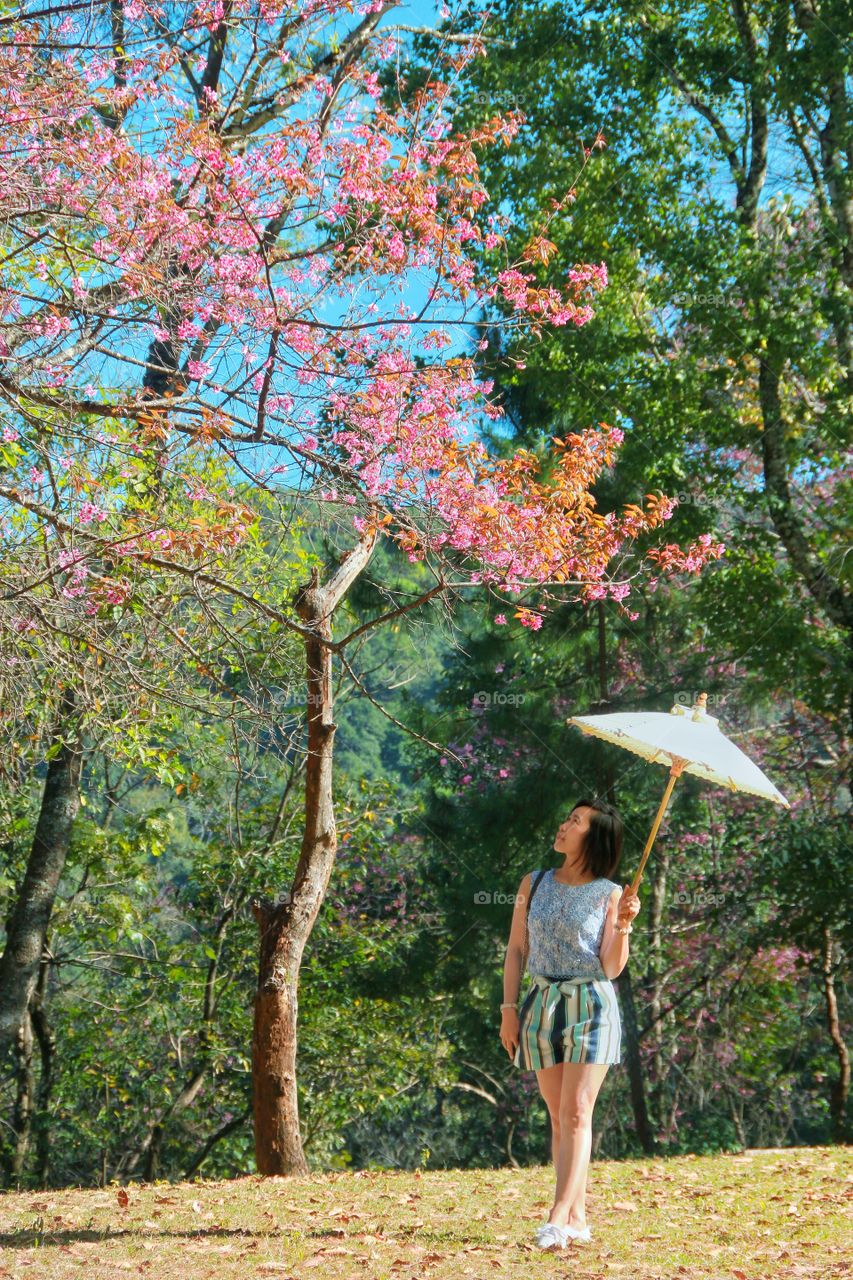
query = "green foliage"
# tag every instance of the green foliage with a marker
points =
(194, 734)
(703, 291)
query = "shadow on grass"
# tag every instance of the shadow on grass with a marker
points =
(27, 1236)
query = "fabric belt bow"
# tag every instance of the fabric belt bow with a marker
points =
(564, 985)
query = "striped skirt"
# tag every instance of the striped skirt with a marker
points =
(574, 1020)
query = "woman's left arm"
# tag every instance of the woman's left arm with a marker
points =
(622, 906)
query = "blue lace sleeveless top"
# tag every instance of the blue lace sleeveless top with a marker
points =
(565, 925)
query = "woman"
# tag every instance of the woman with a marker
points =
(568, 1029)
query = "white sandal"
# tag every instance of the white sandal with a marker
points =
(550, 1236)
(579, 1233)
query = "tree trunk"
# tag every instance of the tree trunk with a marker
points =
(286, 927)
(152, 1154)
(29, 1118)
(22, 1116)
(47, 1050)
(841, 1084)
(27, 928)
(737, 1117)
(631, 1051)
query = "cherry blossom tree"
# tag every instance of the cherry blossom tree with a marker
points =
(224, 239)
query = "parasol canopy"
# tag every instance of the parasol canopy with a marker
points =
(686, 740)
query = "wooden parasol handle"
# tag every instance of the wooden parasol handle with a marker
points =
(677, 767)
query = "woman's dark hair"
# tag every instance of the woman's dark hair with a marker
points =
(603, 846)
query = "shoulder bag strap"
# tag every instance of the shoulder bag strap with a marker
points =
(534, 886)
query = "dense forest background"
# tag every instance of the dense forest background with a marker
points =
(710, 147)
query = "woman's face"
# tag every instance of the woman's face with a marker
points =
(572, 833)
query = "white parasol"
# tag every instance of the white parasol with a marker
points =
(688, 740)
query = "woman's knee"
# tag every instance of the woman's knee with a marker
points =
(575, 1111)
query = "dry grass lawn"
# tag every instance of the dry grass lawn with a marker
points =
(762, 1215)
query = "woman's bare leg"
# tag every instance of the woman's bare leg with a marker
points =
(550, 1081)
(577, 1213)
(580, 1085)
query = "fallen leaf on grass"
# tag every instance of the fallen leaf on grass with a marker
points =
(321, 1255)
(123, 1198)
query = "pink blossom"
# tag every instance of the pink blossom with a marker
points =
(89, 511)
(119, 592)
(177, 216)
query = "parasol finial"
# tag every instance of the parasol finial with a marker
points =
(700, 707)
